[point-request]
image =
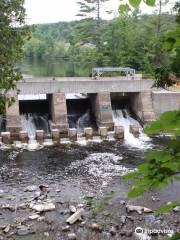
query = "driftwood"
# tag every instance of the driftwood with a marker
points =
(138, 209)
(76, 216)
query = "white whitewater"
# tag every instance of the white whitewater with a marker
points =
(30, 123)
(121, 117)
(83, 121)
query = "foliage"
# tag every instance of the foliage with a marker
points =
(123, 8)
(99, 206)
(125, 41)
(163, 166)
(165, 68)
(12, 36)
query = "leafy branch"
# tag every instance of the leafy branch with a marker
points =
(161, 167)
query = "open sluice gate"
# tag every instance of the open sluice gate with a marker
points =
(34, 114)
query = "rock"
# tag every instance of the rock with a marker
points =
(72, 209)
(127, 233)
(176, 209)
(76, 216)
(113, 231)
(138, 209)
(81, 205)
(65, 211)
(23, 230)
(7, 228)
(131, 218)
(72, 236)
(155, 199)
(58, 190)
(65, 228)
(131, 208)
(2, 227)
(147, 210)
(150, 218)
(43, 207)
(37, 194)
(40, 219)
(134, 130)
(33, 217)
(123, 219)
(22, 206)
(1, 193)
(7, 206)
(83, 223)
(31, 188)
(44, 189)
(96, 227)
(46, 234)
(90, 195)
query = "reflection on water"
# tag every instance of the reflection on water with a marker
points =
(53, 67)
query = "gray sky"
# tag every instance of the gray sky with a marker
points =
(48, 11)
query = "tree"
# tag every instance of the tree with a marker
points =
(12, 37)
(91, 27)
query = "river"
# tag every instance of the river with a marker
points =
(73, 172)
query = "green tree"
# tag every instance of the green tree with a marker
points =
(91, 28)
(12, 37)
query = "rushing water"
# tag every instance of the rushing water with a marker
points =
(122, 117)
(32, 122)
(79, 121)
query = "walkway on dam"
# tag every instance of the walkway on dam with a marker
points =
(47, 85)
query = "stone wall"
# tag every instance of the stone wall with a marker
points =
(165, 101)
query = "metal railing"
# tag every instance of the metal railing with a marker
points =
(98, 72)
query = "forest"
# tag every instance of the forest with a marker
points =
(135, 40)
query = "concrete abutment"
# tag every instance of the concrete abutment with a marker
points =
(13, 120)
(142, 105)
(59, 112)
(102, 109)
(147, 105)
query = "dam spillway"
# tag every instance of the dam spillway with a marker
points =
(145, 103)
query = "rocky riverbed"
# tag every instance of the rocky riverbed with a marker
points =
(77, 192)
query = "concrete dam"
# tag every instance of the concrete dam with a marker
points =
(66, 107)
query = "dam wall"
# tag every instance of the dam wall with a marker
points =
(146, 103)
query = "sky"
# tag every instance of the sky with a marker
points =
(49, 11)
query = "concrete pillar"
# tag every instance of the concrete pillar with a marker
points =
(101, 105)
(55, 135)
(59, 113)
(13, 120)
(134, 130)
(119, 132)
(73, 134)
(40, 136)
(102, 132)
(6, 137)
(142, 106)
(88, 132)
(23, 136)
